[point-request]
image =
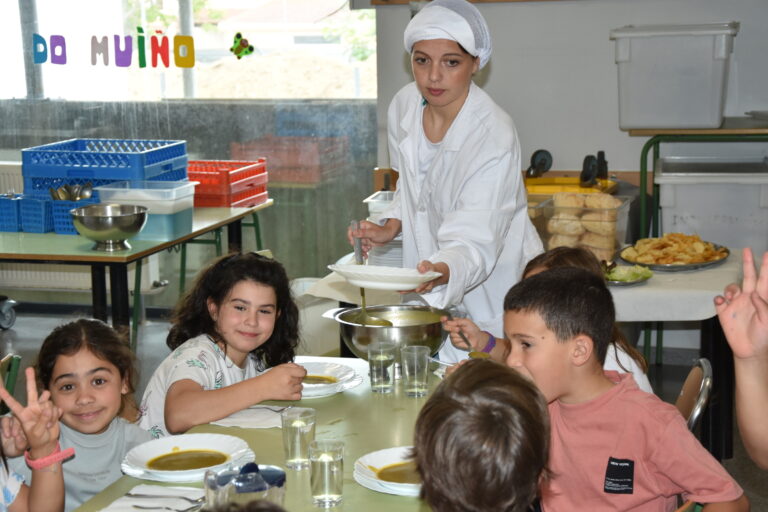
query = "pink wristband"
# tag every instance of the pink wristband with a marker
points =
(491, 343)
(49, 460)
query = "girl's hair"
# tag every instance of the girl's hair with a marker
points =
(98, 338)
(582, 258)
(191, 317)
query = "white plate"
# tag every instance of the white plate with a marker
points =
(367, 477)
(348, 384)
(342, 373)
(383, 278)
(135, 462)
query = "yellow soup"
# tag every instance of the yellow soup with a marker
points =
(182, 460)
(399, 473)
(320, 379)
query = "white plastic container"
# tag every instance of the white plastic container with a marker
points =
(169, 205)
(673, 76)
(724, 202)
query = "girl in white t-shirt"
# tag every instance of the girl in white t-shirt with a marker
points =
(621, 356)
(237, 322)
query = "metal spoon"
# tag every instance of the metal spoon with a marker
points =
(87, 191)
(75, 191)
(473, 354)
(363, 318)
(63, 193)
(54, 193)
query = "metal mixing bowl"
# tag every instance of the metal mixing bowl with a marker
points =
(109, 225)
(411, 325)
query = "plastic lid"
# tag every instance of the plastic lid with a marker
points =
(730, 28)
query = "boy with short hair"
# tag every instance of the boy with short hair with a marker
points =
(481, 441)
(613, 447)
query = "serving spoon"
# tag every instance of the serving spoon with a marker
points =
(363, 318)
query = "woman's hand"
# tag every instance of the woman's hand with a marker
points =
(283, 382)
(373, 235)
(427, 266)
(477, 338)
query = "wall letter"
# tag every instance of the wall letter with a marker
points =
(99, 47)
(123, 56)
(58, 43)
(142, 54)
(184, 59)
(39, 49)
(161, 47)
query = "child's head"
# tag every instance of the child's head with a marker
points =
(563, 257)
(89, 370)
(481, 440)
(244, 303)
(558, 320)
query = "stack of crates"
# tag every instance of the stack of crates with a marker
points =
(229, 182)
(94, 161)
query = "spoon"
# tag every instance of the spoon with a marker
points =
(54, 193)
(473, 354)
(74, 190)
(63, 193)
(87, 191)
(363, 318)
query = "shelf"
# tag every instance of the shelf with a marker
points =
(731, 126)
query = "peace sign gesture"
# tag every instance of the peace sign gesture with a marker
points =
(39, 419)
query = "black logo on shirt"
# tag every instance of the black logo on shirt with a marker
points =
(619, 476)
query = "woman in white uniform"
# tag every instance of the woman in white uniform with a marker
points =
(460, 202)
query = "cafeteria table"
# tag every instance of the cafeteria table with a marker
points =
(688, 296)
(76, 250)
(365, 421)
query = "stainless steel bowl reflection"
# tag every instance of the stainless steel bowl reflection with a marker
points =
(109, 225)
(411, 325)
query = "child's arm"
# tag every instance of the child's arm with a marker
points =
(40, 422)
(477, 338)
(739, 505)
(187, 404)
(743, 314)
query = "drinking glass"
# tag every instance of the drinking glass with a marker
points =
(298, 430)
(326, 473)
(381, 358)
(415, 362)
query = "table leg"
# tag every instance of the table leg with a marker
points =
(235, 236)
(99, 292)
(717, 424)
(118, 282)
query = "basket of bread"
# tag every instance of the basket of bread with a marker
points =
(597, 222)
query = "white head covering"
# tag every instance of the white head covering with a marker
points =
(457, 20)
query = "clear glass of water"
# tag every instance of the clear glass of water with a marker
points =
(298, 430)
(381, 358)
(415, 363)
(326, 471)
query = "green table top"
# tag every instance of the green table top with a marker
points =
(365, 421)
(77, 248)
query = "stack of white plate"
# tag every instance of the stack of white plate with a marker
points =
(136, 461)
(365, 476)
(346, 378)
(390, 255)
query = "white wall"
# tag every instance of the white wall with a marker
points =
(553, 70)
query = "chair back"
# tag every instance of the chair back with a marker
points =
(9, 372)
(694, 396)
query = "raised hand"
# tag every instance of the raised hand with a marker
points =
(743, 311)
(13, 438)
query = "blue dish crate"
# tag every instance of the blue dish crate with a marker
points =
(62, 220)
(101, 161)
(36, 215)
(10, 217)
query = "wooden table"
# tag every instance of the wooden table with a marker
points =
(365, 421)
(76, 250)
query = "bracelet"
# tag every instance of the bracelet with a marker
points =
(57, 456)
(491, 343)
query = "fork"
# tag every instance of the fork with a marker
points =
(201, 499)
(273, 408)
(196, 506)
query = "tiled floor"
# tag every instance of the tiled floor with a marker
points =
(27, 334)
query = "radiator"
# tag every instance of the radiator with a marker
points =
(59, 277)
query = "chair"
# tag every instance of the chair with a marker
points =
(9, 372)
(694, 396)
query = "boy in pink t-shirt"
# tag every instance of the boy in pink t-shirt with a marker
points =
(613, 447)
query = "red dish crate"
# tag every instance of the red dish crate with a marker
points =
(229, 182)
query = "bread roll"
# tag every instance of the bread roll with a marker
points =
(563, 223)
(601, 201)
(601, 222)
(562, 241)
(568, 200)
(599, 241)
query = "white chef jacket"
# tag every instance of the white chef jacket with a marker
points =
(470, 211)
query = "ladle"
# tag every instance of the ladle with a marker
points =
(363, 318)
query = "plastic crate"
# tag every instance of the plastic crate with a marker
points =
(222, 177)
(101, 161)
(10, 216)
(243, 199)
(36, 215)
(62, 220)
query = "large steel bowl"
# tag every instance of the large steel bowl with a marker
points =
(411, 325)
(109, 225)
